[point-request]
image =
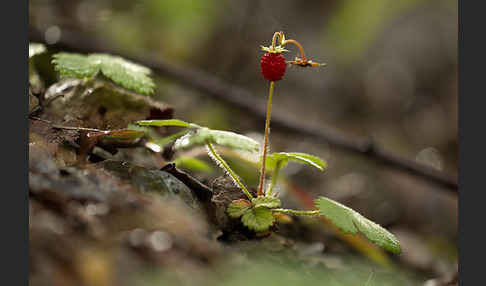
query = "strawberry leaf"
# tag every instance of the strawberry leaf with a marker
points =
(284, 157)
(74, 65)
(168, 122)
(125, 73)
(268, 202)
(350, 221)
(258, 219)
(193, 164)
(121, 71)
(237, 208)
(223, 138)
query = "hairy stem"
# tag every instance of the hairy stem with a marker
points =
(295, 212)
(301, 49)
(276, 172)
(265, 141)
(222, 163)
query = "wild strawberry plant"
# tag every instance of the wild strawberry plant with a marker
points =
(255, 212)
(258, 212)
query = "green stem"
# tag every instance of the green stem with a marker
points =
(295, 212)
(222, 163)
(276, 172)
(265, 142)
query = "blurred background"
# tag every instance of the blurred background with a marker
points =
(391, 75)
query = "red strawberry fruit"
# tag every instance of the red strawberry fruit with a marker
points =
(273, 66)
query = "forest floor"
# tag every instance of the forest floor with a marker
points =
(114, 212)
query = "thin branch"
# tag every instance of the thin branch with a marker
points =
(57, 126)
(246, 101)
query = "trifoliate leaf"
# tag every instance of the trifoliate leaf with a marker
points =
(350, 221)
(35, 49)
(258, 219)
(238, 207)
(168, 122)
(123, 72)
(223, 138)
(284, 157)
(268, 202)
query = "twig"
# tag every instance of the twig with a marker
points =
(57, 126)
(246, 101)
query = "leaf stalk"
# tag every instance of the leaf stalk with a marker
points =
(296, 212)
(222, 163)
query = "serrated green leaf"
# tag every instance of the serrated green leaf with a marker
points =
(268, 202)
(193, 138)
(168, 122)
(234, 140)
(284, 157)
(350, 221)
(238, 207)
(223, 138)
(35, 49)
(74, 65)
(192, 164)
(123, 72)
(258, 219)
